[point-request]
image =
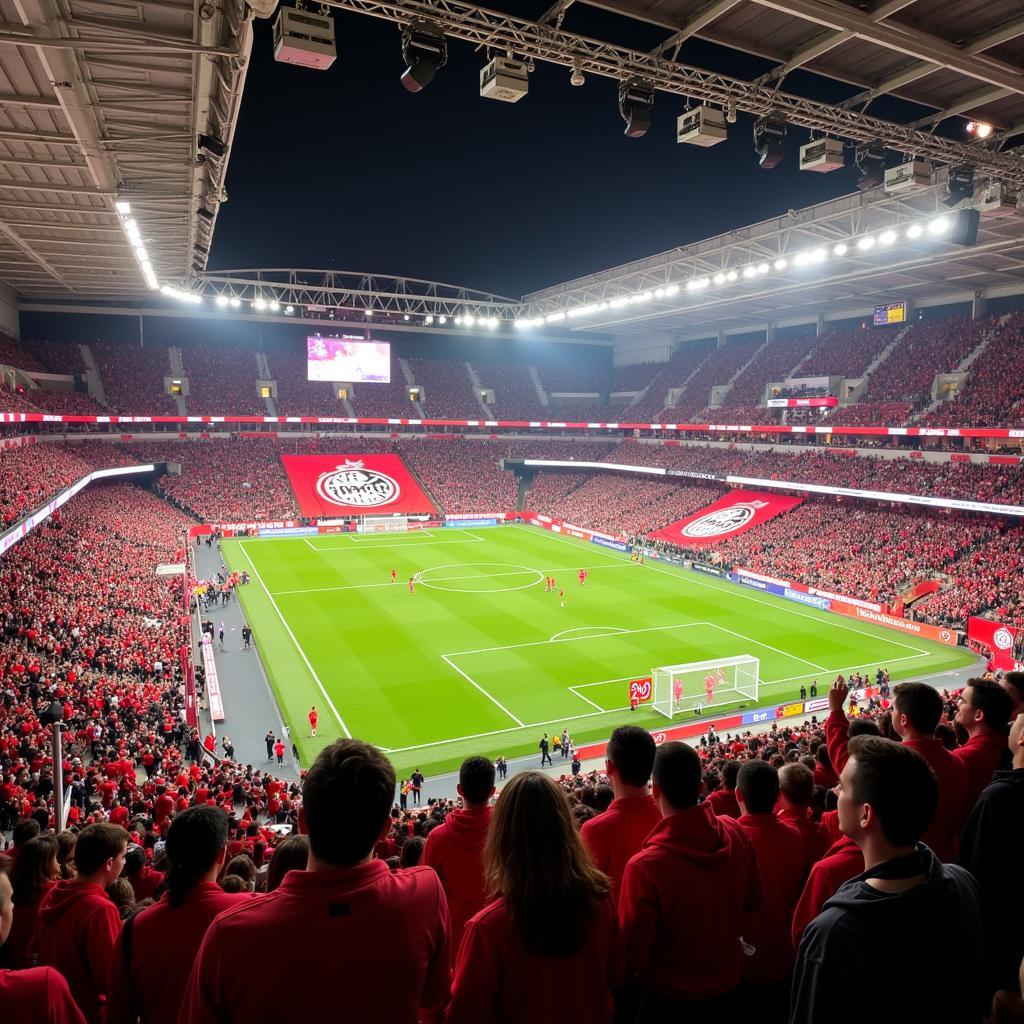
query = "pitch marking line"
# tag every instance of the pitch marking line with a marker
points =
(736, 591)
(494, 700)
(593, 704)
(606, 631)
(298, 646)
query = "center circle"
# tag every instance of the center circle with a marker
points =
(456, 581)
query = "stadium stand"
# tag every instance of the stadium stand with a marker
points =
(772, 364)
(221, 380)
(447, 389)
(718, 368)
(515, 393)
(296, 394)
(672, 374)
(635, 376)
(133, 379)
(570, 379)
(870, 414)
(13, 354)
(848, 353)
(57, 357)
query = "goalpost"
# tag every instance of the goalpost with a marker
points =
(383, 524)
(677, 689)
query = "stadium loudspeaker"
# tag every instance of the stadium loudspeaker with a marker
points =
(965, 227)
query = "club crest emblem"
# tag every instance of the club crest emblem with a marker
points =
(354, 485)
(723, 520)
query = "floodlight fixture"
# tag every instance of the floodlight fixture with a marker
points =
(959, 185)
(839, 249)
(442, 320)
(769, 137)
(425, 52)
(636, 106)
(577, 77)
(235, 303)
(221, 300)
(865, 243)
(870, 161)
(123, 207)
(979, 129)
(914, 231)
(781, 263)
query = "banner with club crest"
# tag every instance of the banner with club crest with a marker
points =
(326, 485)
(733, 513)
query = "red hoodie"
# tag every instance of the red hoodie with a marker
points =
(723, 801)
(146, 882)
(613, 837)
(455, 850)
(499, 981)
(943, 835)
(38, 994)
(160, 966)
(17, 946)
(682, 899)
(842, 862)
(981, 756)
(76, 933)
(782, 860)
(817, 839)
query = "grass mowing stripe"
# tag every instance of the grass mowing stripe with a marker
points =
(298, 646)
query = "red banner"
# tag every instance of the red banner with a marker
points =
(641, 689)
(733, 513)
(999, 639)
(357, 484)
(921, 629)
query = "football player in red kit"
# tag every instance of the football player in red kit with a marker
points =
(394, 575)
(583, 576)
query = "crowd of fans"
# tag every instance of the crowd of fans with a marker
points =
(448, 392)
(848, 353)
(133, 379)
(719, 367)
(221, 380)
(634, 377)
(299, 396)
(774, 363)
(515, 391)
(576, 379)
(870, 414)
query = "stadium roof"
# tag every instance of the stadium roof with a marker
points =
(101, 102)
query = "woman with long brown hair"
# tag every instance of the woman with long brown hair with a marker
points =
(34, 874)
(551, 929)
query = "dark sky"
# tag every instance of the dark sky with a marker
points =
(344, 169)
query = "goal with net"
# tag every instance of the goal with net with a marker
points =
(383, 524)
(677, 689)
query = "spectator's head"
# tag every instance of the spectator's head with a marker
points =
(863, 727)
(534, 859)
(757, 787)
(887, 795)
(134, 861)
(291, 854)
(122, 895)
(412, 851)
(1016, 742)
(100, 853)
(796, 784)
(476, 781)
(677, 778)
(346, 803)
(35, 868)
(1013, 684)
(196, 846)
(917, 708)
(244, 867)
(66, 853)
(25, 830)
(233, 884)
(630, 758)
(730, 773)
(985, 707)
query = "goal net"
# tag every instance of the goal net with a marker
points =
(384, 524)
(704, 684)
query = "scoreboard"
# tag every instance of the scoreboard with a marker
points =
(893, 313)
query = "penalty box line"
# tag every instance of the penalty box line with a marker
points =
(298, 646)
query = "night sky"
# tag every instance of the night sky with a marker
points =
(344, 169)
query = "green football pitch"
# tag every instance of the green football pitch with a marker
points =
(479, 659)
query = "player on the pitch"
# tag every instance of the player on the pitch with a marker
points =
(313, 719)
(582, 576)
(412, 583)
(677, 692)
(710, 681)
(561, 598)
(394, 575)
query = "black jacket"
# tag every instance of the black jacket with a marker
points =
(879, 957)
(991, 848)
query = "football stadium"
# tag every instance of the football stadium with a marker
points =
(511, 510)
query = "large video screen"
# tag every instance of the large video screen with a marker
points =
(348, 360)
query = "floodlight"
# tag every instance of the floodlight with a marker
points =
(235, 303)
(865, 243)
(719, 279)
(731, 276)
(763, 268)
(887, 237)
(769, 136)
(428, 319)
(124, 208)
(938, 225)
(781, 263)
(979, 129)
(443, 320)
(275, 305)
(425, 52)
(636, 106)
(406, 316)
(260, 304)
(915, 231)
(221, 300)
(749, 271)
(289, 309)
(576, 78)
(840, 249)
(959, 185)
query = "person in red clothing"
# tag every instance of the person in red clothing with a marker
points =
(613, 837)
(39, 993)
(983, 714)
(841, 862)
(78, 925)
(349, 937)
(917, 709)
(683, 896)
(32, 878)
(158, 947)
(552, 929)
(279, 750)
(22, 833)
(723, 801)
(144, 879)
(782, 860)
(314, 717)
(796, 787)
(455, 848)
